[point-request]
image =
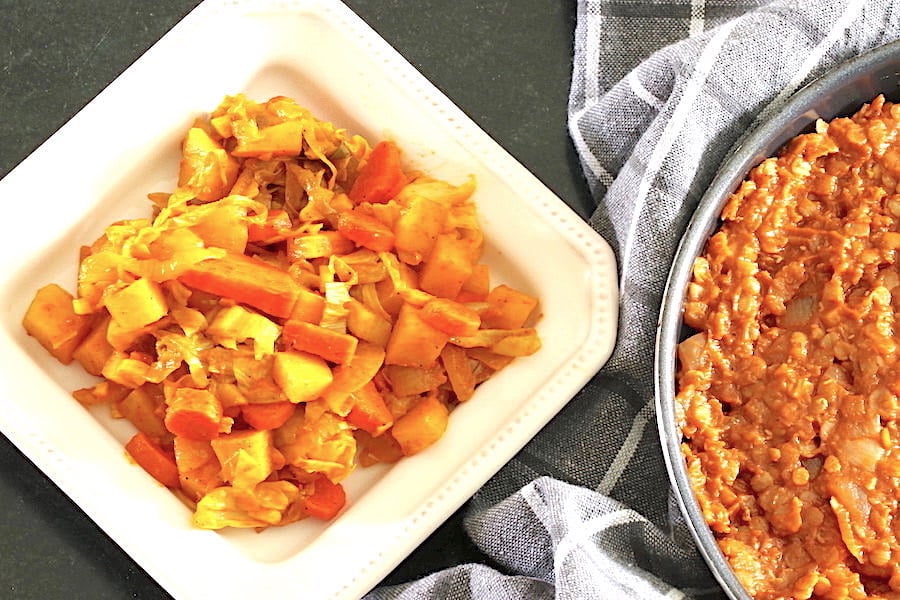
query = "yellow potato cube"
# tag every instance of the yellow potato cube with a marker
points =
(95, 350)
(302, 376)
(52, 321)
(245, 456)
(138, 304)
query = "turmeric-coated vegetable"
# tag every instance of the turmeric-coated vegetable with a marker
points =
(195, 414)
(301, 305)
(247, 280)
(327, 499)
(159, 463)
(381, 178)
(369, 412)
(422, 426)
(52, 321)
(267, 415)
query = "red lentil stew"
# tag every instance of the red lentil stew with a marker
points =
(788, 391)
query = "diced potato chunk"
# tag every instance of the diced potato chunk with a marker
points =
(301, 375)
(138, 304)
(245, 456)
(508, 308)
(447, 268)
(422, 426)
(413, 342)
(95, 349)
(52, 321)
(144, 407)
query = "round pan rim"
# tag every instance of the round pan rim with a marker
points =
(840, 92)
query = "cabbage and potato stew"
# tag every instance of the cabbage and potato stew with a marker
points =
(301, 304)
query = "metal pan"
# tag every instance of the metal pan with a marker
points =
(839, 93)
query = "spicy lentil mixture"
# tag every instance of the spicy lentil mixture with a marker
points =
(788, 392)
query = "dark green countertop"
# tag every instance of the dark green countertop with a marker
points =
(506, 64)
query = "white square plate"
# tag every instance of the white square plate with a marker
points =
(99, 167)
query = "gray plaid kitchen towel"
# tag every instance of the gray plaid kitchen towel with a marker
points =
(661, 90)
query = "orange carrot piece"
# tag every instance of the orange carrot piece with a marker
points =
(381, 178)
(277, 222)
(366, 231)
(267, 415)
(331, 345)
(370, 413)
(451, 317)
(245, 280)
(153, 459)
(327, 499)
(194, 414)
(422, 426)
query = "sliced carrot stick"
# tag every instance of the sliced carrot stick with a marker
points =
(267, 415)
(366, 231)
(194, 414)
(245, 280)
(381, 178)
(451, 317)
(153, 459)
(370, 413)
(327, 499)
(331, 345)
